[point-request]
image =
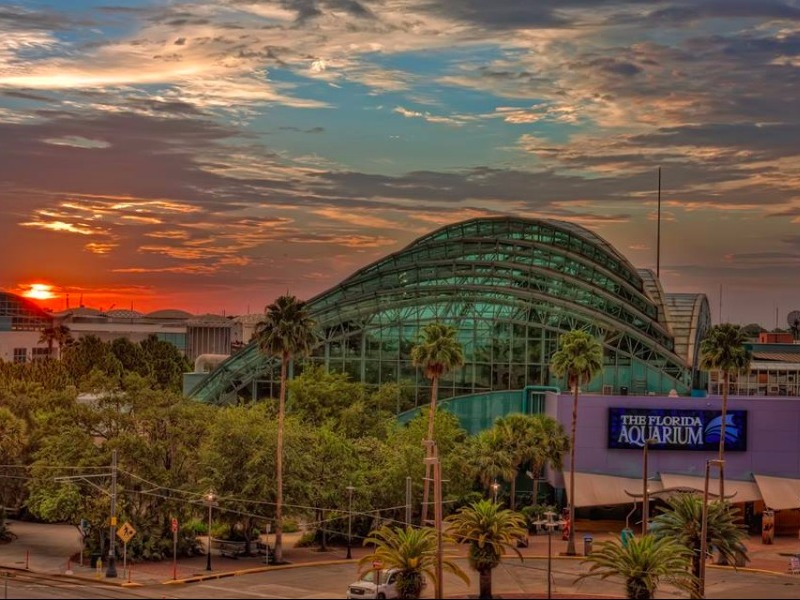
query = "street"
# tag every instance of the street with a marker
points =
(511, 578)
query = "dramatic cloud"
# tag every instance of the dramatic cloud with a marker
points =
(210, 152)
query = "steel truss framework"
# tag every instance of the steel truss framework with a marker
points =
(511, 287)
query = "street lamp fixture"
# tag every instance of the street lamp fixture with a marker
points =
(350, 489)
(704, 527)
(495, 487)
(210, 498)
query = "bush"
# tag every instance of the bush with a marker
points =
(290, 526)
(306, 540)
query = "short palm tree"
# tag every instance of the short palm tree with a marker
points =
(681, 520)
(723, 350)
(489, 458)
(643, 563)
(532, 439)
(286, 331)
(438, 353)
(413, 552)
(490, 531)
(58, 334)
(552, 441)
(579, 357)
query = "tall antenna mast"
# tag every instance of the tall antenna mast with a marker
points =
(658, 230)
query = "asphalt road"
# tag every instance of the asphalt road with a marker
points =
(512, 579)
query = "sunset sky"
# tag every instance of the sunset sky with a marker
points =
(212, 155)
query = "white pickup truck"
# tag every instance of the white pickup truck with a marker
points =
(366, 586)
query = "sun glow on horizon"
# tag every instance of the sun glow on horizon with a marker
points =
(39, 291)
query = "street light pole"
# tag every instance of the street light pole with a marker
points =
(701, 588)
(645, 491)
(210, 497)
(111, 570)
(350, 489)
(495, 487)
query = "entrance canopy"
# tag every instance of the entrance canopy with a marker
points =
(778, 493)
(596, 489)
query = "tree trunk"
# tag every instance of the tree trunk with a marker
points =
(536, 472)
(485, 583)
(571, 540)
(636, 590)
(514, 493)
(696, 572)
(429, 467)
(279, 464)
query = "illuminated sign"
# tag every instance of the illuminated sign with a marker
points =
(676, 429)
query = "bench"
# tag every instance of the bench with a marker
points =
(232, 549)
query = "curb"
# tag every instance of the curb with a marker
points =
(252, 570)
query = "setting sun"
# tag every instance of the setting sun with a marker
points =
(39, 291)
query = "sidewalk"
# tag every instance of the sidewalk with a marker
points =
(46, 548)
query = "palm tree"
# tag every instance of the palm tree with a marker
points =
(63, 337)
(490, 531)
(286, 331)
(413, 552)
(489, 458)
(550, 437)
(681, 520)
(579, 357)
(48, 336)
(643, 562)
(723, 350)
(438, 353)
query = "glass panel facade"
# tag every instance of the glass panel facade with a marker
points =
(511, 287)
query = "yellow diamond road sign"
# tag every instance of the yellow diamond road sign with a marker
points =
(126, 532)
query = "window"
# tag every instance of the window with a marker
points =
(40, 353)
(20, 355)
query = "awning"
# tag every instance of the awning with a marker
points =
(593, 489)
(779, 493)
(743, 491)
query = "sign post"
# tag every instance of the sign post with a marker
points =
(174, 548)
(125, 533)
(377, 565)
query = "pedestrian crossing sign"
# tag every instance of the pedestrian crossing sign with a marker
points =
(126, 532)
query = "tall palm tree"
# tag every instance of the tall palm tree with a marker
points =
(438, 353)
(579, 357)
(681, 520)
(643, 562)
(412, 551)
(490, 531)
(287, 331)
(723, 350)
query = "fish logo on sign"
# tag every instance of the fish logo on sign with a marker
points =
(713, 430)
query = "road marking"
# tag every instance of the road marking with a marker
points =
(239, 592)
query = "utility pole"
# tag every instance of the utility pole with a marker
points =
(433, 462)
(111, 571)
